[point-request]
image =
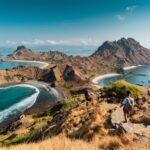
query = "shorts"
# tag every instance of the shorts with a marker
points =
(126, 109)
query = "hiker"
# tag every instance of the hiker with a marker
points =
(87, 98)
(127, 104)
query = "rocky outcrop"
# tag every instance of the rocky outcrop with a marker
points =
(124, 51)
(117, 120)
(70, 74)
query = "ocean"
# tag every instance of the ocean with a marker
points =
(16, 99)
(139, 76)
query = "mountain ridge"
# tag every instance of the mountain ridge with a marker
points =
(127, 51)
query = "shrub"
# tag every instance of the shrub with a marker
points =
(119, 90)
(16, 140)
(70, 103)
(41, 114)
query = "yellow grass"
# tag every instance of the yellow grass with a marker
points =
(55, 143)
(61, 142)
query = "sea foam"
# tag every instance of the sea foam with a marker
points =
(20, 107)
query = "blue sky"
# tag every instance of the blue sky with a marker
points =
(73, 22)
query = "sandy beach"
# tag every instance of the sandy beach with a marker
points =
(98, 78)
(47, 97)
(40, 62)
(131, 67)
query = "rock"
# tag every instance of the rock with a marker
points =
(117, 117)
(70, 74)
(117, 120)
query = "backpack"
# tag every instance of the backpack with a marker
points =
(129, 105)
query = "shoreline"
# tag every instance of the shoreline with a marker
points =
(131, 67)
(43, 99)
(45, 64)
(96, 80)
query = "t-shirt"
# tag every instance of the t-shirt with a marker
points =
(128, 100)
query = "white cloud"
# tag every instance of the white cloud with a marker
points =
(120, 17)
(80, 41)
(131, 8)
(38, 42)
(69, 42)
(25, 42)
(8, 42)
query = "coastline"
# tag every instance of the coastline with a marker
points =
(96, 80)
(45, 64)
(43, 99)
(47, 97)
(130, 67)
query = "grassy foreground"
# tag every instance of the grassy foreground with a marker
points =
(62, 143)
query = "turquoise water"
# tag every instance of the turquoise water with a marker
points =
(7, 65)
(13, 95)
(138, 76)
(16, 99)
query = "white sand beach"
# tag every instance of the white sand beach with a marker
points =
(34, 61)
(131, 67)
(98, 78)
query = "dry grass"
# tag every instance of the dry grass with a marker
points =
(55, 143)
(61, 142)
(140, 145)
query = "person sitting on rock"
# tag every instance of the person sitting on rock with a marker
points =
(127, 104)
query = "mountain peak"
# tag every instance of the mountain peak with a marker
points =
(126, 50)
(21, 47)
(128, 41)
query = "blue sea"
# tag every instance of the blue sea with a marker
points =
(16, 99)
(8, 65)
(138, 76)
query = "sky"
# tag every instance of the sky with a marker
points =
(73, 22)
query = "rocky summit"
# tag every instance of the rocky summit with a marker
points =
(125, 51)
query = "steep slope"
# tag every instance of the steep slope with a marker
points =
(124, 51)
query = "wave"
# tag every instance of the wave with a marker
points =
(20, 107)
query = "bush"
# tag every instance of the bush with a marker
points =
(70, 103)
(16, 140)
(41, 114)
(119, 90)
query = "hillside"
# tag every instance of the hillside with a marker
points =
(124, 51)
(72, 125)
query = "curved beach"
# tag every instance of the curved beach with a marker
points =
(44, 64)
(43, 99)
(101, 77)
